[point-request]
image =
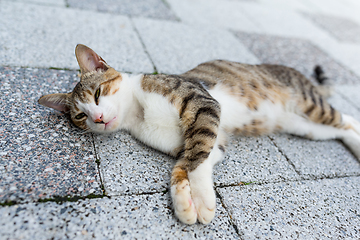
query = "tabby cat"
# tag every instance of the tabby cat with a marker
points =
(191, 115)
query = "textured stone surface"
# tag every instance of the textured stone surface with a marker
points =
(250, 159)
(128, 217)
(327, 208)
(176, 47)
(299, 54)
(144, 8)
(342, 29)
(129, 167)
(42, 154)
(46, 37)
(226, 14)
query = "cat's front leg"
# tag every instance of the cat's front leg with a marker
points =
(192, 187)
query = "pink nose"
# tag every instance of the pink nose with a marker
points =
(98, 118)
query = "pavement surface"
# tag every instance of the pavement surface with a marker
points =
(57, 182)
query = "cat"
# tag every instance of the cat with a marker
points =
(190, 116)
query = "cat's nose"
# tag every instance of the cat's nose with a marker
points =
(98, 118)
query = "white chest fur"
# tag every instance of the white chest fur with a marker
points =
(160, 126)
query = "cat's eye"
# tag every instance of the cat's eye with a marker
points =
(80, 116)
(97, 95)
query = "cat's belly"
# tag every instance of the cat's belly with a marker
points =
(238, 118)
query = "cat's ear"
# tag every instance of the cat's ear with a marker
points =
(57, 101)
(88, 60)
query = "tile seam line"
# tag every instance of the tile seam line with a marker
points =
(284, 154)
(142, 43)
(231, 220)
(98, 162)
(292, 181)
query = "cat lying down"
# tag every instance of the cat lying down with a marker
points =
(191, 115)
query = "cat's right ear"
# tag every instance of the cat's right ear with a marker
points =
(88, 60)
(57, 101)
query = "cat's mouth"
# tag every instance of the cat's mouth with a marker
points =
(108, 124)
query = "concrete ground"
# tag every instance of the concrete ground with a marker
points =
(59, 183)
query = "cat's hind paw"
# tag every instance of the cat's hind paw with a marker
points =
(183, 204)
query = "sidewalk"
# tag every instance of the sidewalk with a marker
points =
(59, 183)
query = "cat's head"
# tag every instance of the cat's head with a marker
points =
(93, 104)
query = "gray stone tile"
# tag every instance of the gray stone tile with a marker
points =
(224, 14)
(297, 53)
(343, 29)
(323, 209)
(128, 166)
(127, 217)
(144, 8)
(42, 154)
(176, 47)
(59, 3)
(317, 159)
(42, 36)
(250, 159)
(351, 94)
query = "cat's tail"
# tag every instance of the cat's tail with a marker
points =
(325, 87)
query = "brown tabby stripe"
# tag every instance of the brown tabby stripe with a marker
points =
(185, 102)
(179, 173)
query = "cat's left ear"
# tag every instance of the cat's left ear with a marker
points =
(88, 60)
(57, 101)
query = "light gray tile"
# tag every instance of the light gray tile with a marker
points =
(58, 3)
(351, 94)
(128, 217)
(327, 208)
(39, 36)
(144, 8)
(225, 14)
(177, 47)
(128, 166)
(341, 28)
(251, 159)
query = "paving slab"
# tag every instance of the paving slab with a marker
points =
(129, 167)
(144, 8)
(42, 154)
(177, 47)
(345, 8)
(43, 36)
(351, 94)
(321, 158)
(251, 159)
(322, 209)
(343, 29)
(224, 14)
(297, 53)
(58, 3)
(127, 217)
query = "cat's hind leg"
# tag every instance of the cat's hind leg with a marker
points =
(344, 128)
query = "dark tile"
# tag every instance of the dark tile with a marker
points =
(343, 29)
(297, 53)
(137, 8)
(42, 154)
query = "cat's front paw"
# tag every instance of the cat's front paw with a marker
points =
(204, 199)
(183, 204)
(191, 203)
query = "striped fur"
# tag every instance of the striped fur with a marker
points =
(191, 115)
